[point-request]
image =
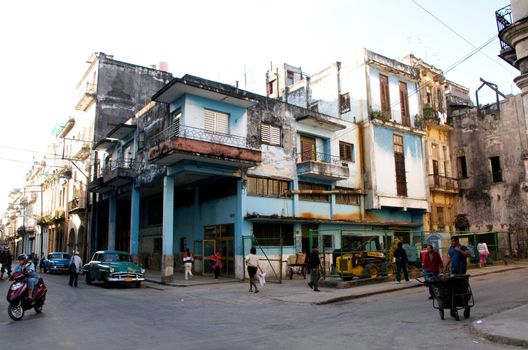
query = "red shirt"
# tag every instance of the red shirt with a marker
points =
(433, 262)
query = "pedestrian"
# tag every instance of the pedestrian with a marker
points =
(187, 263)
(74, 269)
(313, 266)
(9, 263)
(401, 263)
(432, 266)
(483, 251)
(457, 256)
(216, 261)
(41, 263)
(26, 266)
(3, 262)
(252, 262)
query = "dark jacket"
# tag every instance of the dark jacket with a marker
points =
(401, 256)
(313, 260)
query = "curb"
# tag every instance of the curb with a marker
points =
(500, 339)
(363, 295)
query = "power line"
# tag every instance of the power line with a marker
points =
(461, 37)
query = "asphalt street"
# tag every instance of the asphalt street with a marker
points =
(226, 316)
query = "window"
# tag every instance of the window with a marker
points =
(290, 78)
(346, 198)
(404, 104)
(399, 159)
(384, 95)
(158, 244)
(176, 123)
(270, 134)
(270, 87)
(260, 186)
(346, 151)
(447, 171)
(308, 150)
(440, 218)
(462, 167)
(269, 234)
(328, 241)
(496, 172)
(344, 103)
(316, 197)
(216, 121)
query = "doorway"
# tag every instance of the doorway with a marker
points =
(305, 229)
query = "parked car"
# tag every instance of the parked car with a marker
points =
(56, 262)
(110, 266)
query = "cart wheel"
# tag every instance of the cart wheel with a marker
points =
(456, 316)
(466, 312)
(452, 313)
(441, 312)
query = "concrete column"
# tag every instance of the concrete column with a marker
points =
(295, 198)
(112, 215)
(167, 260)
(241, 209)
(134, 224)
(198, 230)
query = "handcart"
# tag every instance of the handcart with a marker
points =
(453, 293)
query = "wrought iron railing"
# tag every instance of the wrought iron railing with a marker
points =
(443, 182)
(504, 20)
(118, 164)
(320, 157)
(193, 133)
(76, 203)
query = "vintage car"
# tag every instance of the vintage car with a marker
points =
(110, 266)
(56, 262)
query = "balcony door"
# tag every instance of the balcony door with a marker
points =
(308, 149)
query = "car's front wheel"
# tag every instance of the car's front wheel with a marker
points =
(138, 284)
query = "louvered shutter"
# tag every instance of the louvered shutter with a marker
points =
(265, 133)
(222, 123)
(209, 120)
(275, 135)
(385, 97)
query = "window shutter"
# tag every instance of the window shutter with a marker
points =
(265, 133)
(385, 97)
(222, 123)
(404, 104)
(275, 135)
(209, 120)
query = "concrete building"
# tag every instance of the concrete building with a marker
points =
(379, 96)
(442, 179)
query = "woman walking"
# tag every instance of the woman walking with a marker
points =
(187, 263)
(216, 261)
(432, 266)
(483, 251)
(252, 262)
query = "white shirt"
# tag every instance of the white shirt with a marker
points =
(252, 260)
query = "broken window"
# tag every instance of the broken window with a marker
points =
(384, 96)
(270, 87)
(269, 234)
(404, 104)
(344, 102)
(496, 172)
(216, 121)
(399, 160)
(266, 187)
(316, 197)
(270, 134)
(346, 151)
(462, 167)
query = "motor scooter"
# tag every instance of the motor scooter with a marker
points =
(17, 296)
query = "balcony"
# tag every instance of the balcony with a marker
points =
(504, 20)
(322, 166)
(76, 204)
(181, 142)
(87, 97)
(443, 184)
(118, 172)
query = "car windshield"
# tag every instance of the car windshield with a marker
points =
(59, 256)
(114, 257)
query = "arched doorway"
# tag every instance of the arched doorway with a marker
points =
(81, 246)
(71, 241)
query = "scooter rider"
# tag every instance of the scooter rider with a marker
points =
(32, 277)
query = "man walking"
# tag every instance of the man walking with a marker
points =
(313, 267)
(75, 269)
(401, 262)
(457, 256)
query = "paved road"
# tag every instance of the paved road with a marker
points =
(226, 316)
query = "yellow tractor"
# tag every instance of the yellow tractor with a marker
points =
(365, 261)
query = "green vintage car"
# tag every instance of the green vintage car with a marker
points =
(110, 266)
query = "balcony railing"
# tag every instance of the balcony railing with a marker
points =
(320, 157)
(504, 20)
(443, 183)
(118, 164)
(193, 133)
(76, 203)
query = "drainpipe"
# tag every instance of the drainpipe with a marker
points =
(338, 66)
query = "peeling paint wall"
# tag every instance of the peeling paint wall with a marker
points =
(489, 205)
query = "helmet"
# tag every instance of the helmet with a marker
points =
(22, 257)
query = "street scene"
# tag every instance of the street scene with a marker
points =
(247, 174)
(225, 316)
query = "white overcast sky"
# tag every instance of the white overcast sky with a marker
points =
(45, 44)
